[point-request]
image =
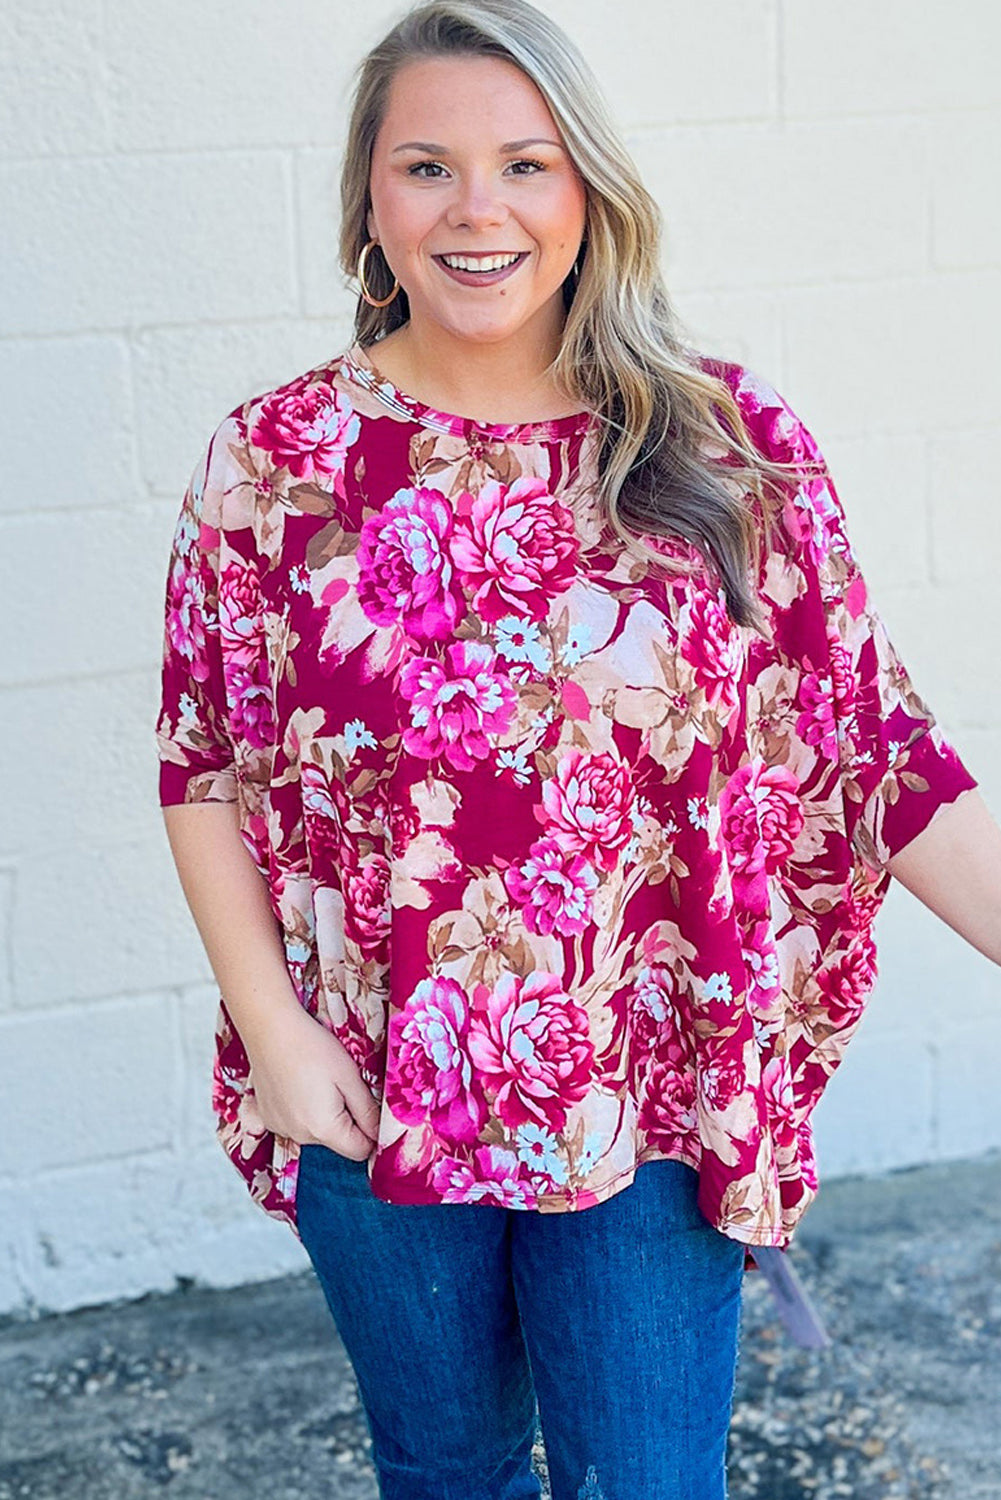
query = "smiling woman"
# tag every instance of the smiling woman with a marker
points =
(535, 762)
(463, 208)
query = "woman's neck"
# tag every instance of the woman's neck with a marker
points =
(486, 382)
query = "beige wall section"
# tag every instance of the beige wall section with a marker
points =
(168, 190)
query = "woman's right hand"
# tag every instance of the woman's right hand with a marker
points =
(309, 1088)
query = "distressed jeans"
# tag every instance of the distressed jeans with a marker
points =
(616, 1326)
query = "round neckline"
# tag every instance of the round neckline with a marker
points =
(361, 365)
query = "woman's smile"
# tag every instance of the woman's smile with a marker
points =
(481, 270)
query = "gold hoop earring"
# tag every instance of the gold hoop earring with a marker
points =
(360, 276)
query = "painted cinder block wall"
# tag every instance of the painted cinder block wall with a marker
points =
(168, 201)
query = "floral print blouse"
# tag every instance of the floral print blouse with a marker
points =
(580, 873)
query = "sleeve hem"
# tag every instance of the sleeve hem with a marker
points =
(180, 784)
(929, 776)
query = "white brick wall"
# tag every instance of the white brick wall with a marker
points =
(168, 186)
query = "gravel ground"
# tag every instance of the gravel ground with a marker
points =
(134, 1400)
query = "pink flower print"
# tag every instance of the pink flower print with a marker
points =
(324, 807)
(757, 396)
(762, 817)
(655, 1018)
(406, 575)
(777, 1083)
(761, 958)
(815, 725)
(843, 679)
(492, 1175)
(429, 1077)
(515, 546)
(405, 825)
(720, 1081)
(367, 912)
(186, 623)
(654, 987)
(245, 659)
(226, 1099)
(241, 628)
(528, 1041)
(456, 704)
(587, 806)
(715, 648)
(667, 1115)
(251, 715)
(815, 521)
(847, 983)
(307, 428)
(554, 888)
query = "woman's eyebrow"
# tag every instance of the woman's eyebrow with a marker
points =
(532, 140)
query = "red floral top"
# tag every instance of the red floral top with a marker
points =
(580, 873)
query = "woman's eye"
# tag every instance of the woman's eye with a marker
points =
(417, 170)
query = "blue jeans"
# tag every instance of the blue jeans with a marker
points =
(617, 1323)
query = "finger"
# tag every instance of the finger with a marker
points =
(364, 1109)
(349, 1141)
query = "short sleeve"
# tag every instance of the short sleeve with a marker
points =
(897, 767)
(194, 743)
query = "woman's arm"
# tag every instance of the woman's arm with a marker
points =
(229, 903)
(954, 867)
(306, 1084)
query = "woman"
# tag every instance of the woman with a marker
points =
(523, 650)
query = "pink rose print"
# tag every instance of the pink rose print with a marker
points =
(429, 1075)
(366, 903)
(493, 1175)
(777, 1082)
(814, 519)
(405, 825)
(720, 1081)
(324, 807)
(456, 704)
(816, 725)
(553, 886)
(245, 662)
(528, 1042)
(308, 429)
(781, 426)
(251, 716)
(225, 1098)
(516, 548)
(847, 983)
(655, 1018)
(587, 806)
(762, 959)
(186, 630)
(406, 575)
(668, 1115)
(241, 629)
(714, 646)
(843, 678)
(762, 816)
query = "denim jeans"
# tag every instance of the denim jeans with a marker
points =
(618, 1324)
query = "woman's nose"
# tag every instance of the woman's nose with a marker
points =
(476, 202)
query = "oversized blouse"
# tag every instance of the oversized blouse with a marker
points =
(581, 874)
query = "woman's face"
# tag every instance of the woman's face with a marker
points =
(468, 162)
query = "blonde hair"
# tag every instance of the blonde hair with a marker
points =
(676, 458)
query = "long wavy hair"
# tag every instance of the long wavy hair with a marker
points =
(675, 458)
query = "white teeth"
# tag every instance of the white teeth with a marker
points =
(479, 263)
